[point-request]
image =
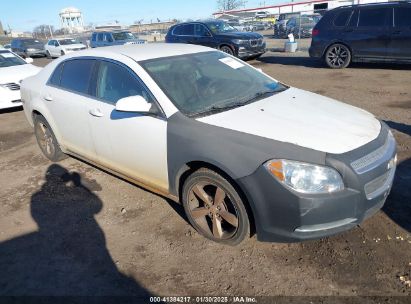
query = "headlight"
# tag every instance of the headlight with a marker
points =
(240, 41)
(304, 177)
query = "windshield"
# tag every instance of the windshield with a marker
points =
(220, 27)
(123, 36)
(305, 21)
(8, 59)
(68, 41)
(31, 42)
(202, 83)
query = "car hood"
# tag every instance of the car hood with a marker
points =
(17, 73)
(240, 35)
(304, 119)
(74, 46)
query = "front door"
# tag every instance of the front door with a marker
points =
(369, 37)
(132, 144)
(400, 44)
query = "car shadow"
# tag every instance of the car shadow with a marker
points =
(403, 128)
(397, 206)
(11, 110)
(67, 256)
(294, 60)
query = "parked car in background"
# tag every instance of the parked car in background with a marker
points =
(281, 24)
(28, 47)
(255, 26)
(59, 47)
(107, 38)
(237, 25)
(7, 46)
(13, 69)
(300, 27)
(233, 145)
(220, 35)
(370, 32)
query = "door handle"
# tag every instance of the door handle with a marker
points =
(96, 113)
(48, 98)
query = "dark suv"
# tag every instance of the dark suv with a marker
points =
(220, 35)
(373, 32)
(28, 47)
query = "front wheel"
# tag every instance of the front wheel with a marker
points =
(226, 49)
(46, 140)
(337, 56)
(214, 207)
(48, 55)
(62, 53)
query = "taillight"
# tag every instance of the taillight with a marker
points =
(316, 32)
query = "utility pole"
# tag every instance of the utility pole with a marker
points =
(51, 32)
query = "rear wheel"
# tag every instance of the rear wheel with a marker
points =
(226, 49)
(337, 56)
(62, 53)
(214, 207)
(46, 140)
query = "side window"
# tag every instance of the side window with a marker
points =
(402, 17)
(115, 82)
(51, 42)
(184, 30)
(200, 30)
(107, 37)
(342, 18)
(76, 75)
(93, 37)
(56, 76)
(56, 43)
(374, 17)
(100, 37)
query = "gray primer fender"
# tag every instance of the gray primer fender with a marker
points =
(237, 154)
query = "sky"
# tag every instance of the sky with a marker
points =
(30, 13)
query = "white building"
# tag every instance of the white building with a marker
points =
(312, 6)
(71, 19)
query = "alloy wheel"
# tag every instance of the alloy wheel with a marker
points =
(45, 139)
(338, 56)
(212, 210)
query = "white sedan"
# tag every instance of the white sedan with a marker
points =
(59, 47)
(240, 150)
(13, 69)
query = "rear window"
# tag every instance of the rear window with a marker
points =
(342, 18)
(76, 75)
(374, 17)
(403, 17)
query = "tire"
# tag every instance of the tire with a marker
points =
(337, 56)
(214, 207)
(226, 49)
(48, 55)
(46, 140)
(62, 53)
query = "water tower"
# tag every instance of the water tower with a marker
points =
(71, 19)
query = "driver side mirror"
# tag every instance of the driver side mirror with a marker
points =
(135, 103)
(29, 60)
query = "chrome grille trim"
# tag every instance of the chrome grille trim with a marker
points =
(379, 185)
(375, 158)
(11, 86)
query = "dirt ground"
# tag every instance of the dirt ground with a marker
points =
(71, 229)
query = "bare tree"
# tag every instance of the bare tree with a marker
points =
(43, 31)
(227, 5)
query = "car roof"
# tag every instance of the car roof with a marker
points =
(140, 52)
(391, 3)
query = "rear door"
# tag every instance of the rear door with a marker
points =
(67, 95)
(368, 33)
(183, 33)
(400, 44)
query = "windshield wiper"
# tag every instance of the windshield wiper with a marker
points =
(219, 108)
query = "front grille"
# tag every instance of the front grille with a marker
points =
(379, 185)
(11, 86)
(375, 158)
(256, 42)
